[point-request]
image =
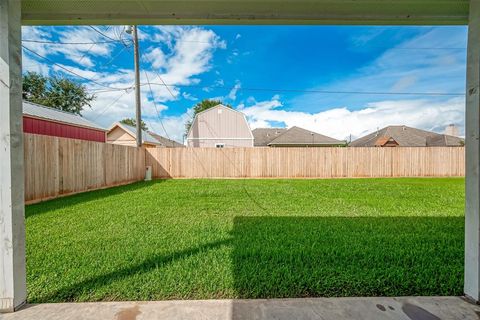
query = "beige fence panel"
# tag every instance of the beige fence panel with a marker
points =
(58, 166)
(306, 162)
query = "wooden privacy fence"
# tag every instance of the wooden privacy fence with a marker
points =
(57, 166)
(306, 162)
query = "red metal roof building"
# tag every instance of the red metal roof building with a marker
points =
(43, 120)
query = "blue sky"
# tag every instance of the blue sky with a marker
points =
(338, 81)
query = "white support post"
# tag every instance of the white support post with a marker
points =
(12, 216)
(472, 139)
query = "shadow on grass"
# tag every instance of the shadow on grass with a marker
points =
(72, 292)
(84, 197)
(279, 257)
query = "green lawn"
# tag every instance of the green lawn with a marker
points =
(202, 239)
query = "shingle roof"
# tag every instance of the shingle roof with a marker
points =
(263, 136)
(406, 137)
(146, 137)
(43, 112)
(443, 140)
(165, 141)
(300, 136)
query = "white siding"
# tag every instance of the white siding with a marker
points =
(220, 125)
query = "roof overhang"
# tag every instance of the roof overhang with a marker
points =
(247, 12)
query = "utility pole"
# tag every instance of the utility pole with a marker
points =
(138, 106)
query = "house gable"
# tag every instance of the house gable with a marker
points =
(220, 123)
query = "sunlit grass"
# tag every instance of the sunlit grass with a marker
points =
(202, 239)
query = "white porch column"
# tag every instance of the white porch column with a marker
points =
(12, 220)
(472, 139)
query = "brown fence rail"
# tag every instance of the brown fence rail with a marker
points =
(306, 162)
(57, 166)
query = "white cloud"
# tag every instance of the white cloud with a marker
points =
(340, 123)
(80, 54)
(156, 57)
(188, 53)
(404, 83)
(174, 126)
(232, 95)
(29, 64)
(188, 96)
(191, 55)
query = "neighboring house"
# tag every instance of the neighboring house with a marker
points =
(263, 136)
(43, 120)
(120, 133)
(293, 137)
(220, 127)
(403, 136)
(168, 143)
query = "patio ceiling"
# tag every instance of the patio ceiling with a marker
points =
(383, 12)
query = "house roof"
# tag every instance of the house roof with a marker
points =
(169, 143)
(300, 136)
(444, 140)
(42, 112)
(385, 140)
(263, 136)
(405, 137)
(146, 136)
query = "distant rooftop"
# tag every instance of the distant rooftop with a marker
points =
(263, 136)
(300, 136)
(146, 136)
(406, 136)
(293, 136)
(47, 113)
(169, 143)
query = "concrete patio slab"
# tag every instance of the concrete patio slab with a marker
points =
(405, 308)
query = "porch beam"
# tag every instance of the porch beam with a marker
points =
(12, 224)
(472, 139)
(253, 12)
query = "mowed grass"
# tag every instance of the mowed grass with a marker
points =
(204, 239)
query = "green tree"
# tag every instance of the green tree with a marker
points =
(56, 92)
(202, 106)
(133, 123)
(35, 87)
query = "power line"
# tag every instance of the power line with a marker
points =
(160, 77)
(156, 109)
(280, 90)
(103, 65)
(67, 43)
(409, 48)
(111, 104)
(206, 42)
(70, 71)
(427, 48)
(165, 85)
(89, 49)
(103, 34)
